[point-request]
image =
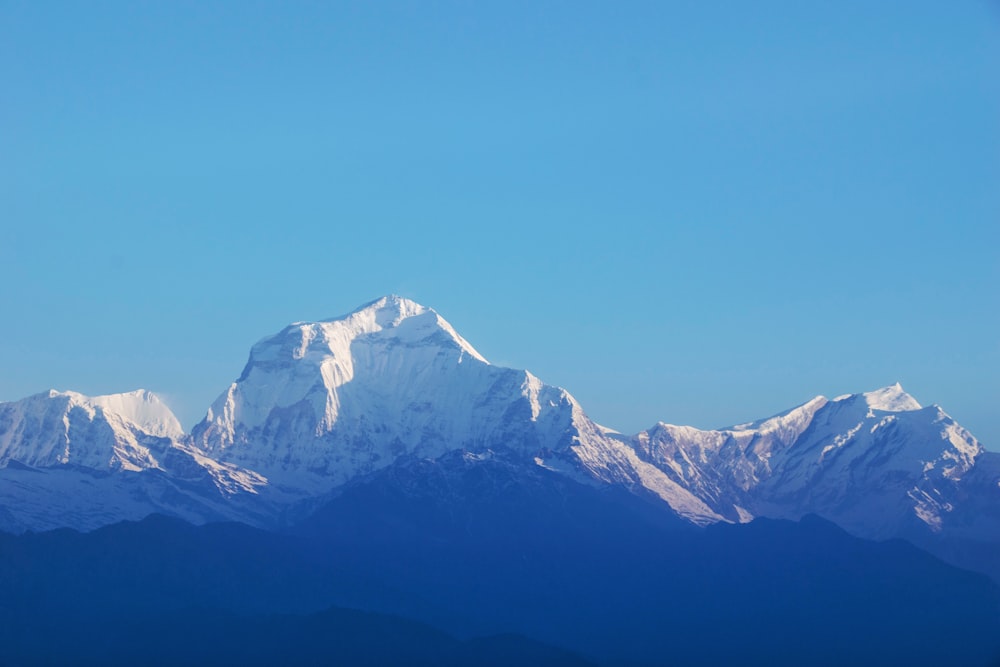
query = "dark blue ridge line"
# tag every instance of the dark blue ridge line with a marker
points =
(201, 636)
(484, 549)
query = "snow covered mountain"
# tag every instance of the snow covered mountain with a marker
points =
(878, 463)
(72, 460)
(121, 431)
(320, 404)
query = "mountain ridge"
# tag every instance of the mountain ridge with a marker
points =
(319, 404)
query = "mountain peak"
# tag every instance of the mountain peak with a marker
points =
(387, 311)
(408, 319)
(141, 407)
(348, 394)
(888, 399)
(115, 431)
(390, 319)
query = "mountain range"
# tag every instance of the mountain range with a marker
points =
(321, 403)
(384, 432)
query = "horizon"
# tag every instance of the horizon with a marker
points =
(677, 213)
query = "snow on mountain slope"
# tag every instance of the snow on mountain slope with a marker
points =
(320, 403)
(142, 408)
(120, 431)
(69, 496)
(334, 399)
(79, 461)
(876, 463)
(720, 467)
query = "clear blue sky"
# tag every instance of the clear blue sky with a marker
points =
(684, 211)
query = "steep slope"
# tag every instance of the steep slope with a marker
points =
(878, 463)
(117, 432)
(72, 460)
(321, 403)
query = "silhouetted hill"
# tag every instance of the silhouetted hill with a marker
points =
(201, 636)
(482, 546)
(577, 566)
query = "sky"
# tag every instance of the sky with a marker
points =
(699, 213)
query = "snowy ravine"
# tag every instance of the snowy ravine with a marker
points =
(321, 403)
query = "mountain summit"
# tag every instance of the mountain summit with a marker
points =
(323, 404)
(877, 463)
(320, 403)
(890, 399)
(118, 431)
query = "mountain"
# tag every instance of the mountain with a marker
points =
(474, 546)
(164, 592)
(72, 460)
(878, 463)
(502, 546)
(376, 461)
(345, 637)
(322, 404)
(120, 431)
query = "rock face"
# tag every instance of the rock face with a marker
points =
(320, 404)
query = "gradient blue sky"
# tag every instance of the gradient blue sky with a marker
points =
(692, 212)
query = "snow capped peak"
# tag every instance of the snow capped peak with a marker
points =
(143, 409)
(117, 431)
(350, 394)
(892, 399)
(388, 338)
(387, 311)
(321, 403)
(412, 321)
(888, 399)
